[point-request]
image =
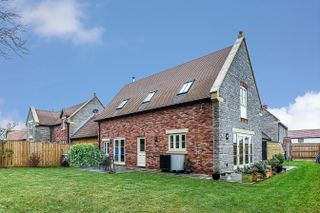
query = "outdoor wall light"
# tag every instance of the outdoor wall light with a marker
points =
(227, 136)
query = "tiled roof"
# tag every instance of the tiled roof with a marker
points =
(304, 133)
(48, 117)
(53, 117)
(89, 129)
(70, 110)
(203, 71)
(17, 135)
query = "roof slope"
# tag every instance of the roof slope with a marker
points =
(304, 133)
(17, 135)
(89, 129)
(70, 110)
(167, 84)
(47, 117)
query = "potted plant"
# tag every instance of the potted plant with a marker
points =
(216, 174)
(187, 166)
(276, 163)
(259, 171)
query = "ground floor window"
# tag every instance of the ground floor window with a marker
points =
(119, 150)
(242, 149)
(107, 147)
(177, 142)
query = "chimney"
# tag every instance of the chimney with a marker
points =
(133, 79)
(94, 94)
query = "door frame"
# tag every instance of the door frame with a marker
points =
(124, 151)
(138, 150)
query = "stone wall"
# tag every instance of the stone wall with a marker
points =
(227, 113)
(196, 117)
(42, 133)
(81, 117)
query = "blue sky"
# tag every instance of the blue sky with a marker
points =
(80, 47)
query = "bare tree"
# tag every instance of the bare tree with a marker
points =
(11, 30)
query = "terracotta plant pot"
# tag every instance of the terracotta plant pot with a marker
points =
(268, 173)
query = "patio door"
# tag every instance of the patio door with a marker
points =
(242, 150)
(141, 151)
(119, 151)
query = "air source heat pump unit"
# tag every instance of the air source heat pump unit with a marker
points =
(177, 162)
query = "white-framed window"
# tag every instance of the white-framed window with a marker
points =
(119, 151)
(186, 87)
(177, 142)
(121, 105)
(242, 150)
(149, 97)
(300, 140)
(243, 102)
(106, 147)
(30, 130)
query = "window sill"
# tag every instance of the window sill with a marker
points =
(177, 152)
(121, 164)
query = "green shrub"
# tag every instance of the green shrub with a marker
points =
(85, 155)
(280, 157)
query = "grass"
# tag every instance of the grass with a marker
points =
(73, 190)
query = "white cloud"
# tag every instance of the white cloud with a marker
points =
(10, 117)
(58, 19)
(304, 113)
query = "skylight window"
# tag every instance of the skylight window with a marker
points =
(121, 105)
(149, 97)
(186, 87)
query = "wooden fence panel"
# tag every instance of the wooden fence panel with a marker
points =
(304, 150)
(50, 153)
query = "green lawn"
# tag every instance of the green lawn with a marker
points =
(72, 190)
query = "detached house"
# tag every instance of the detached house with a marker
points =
(61, 126)
(207, 110)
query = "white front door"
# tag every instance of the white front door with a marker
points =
(141, 151)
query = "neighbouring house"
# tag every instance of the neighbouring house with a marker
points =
(272, 126)
(207, 110)
(88, 133)
(60, 126)
(304, 136)
(17, 135)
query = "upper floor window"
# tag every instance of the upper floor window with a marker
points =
(300, 140)
(30, 130)
(121, 105)
(243, 102)
(186, 87)
(149, 97)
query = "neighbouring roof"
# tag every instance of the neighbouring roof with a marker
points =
(304, 133)
(17, 135)
(167, 84)
(48, 117)
(265, 137)
(51, 118)
(89, 129)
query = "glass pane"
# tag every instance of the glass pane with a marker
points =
(234, 154)
(116, 150)
(251, 152)
(246, 150)
(241, 150)
(183, 141)
(171, 141)
(142, 145)
(177, 141)
(122, 150)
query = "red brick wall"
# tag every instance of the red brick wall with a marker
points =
(59, 134)
(197, 117)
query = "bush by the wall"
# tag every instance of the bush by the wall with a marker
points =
(85, 155)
